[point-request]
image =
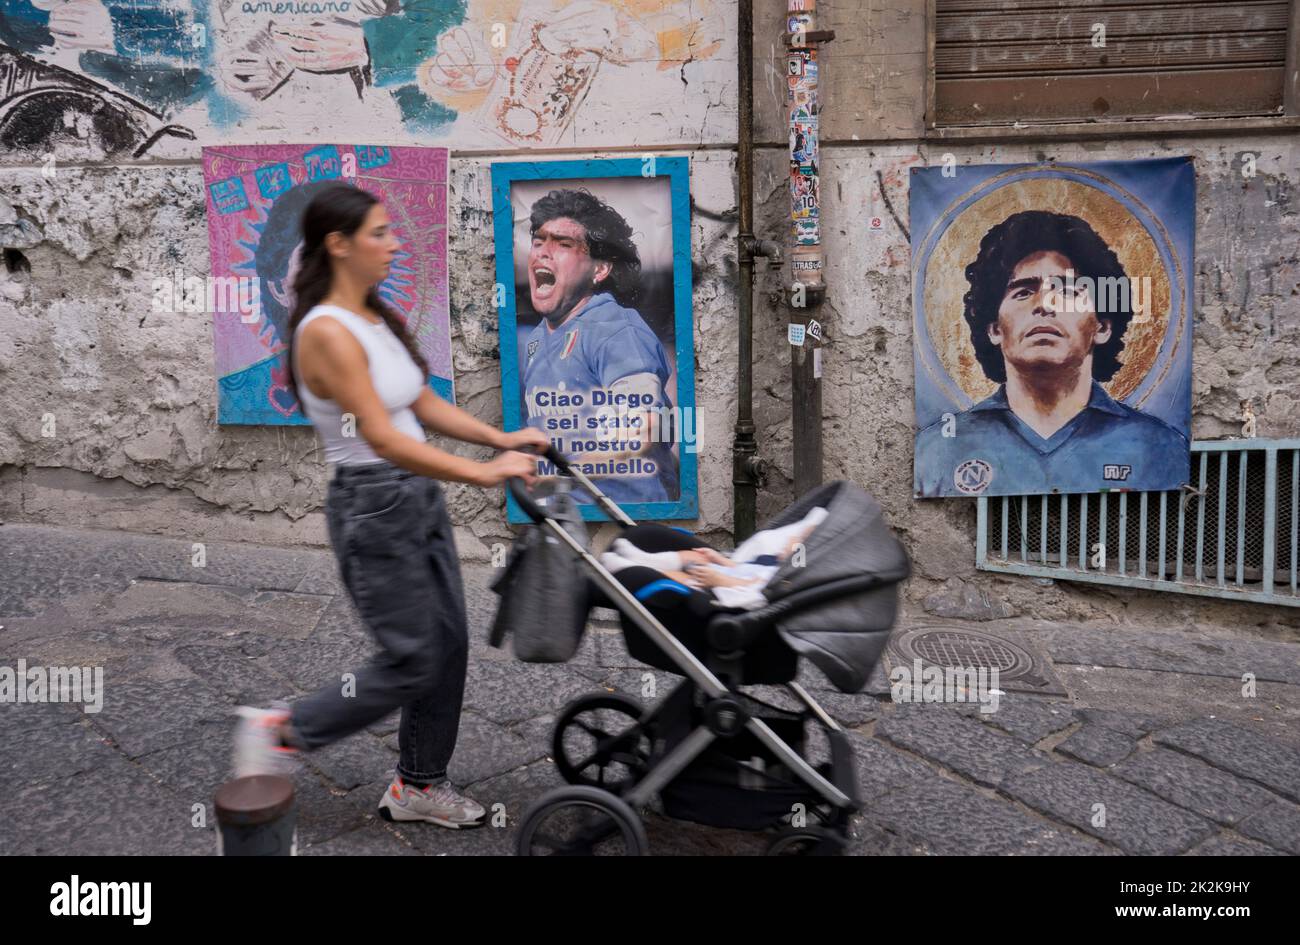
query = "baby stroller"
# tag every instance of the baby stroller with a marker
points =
(711, 753)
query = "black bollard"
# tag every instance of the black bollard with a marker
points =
(256, 817)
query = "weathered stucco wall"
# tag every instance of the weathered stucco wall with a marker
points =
(110, 407)
(127, 393)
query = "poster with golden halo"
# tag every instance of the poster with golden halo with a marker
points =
(1052, 315)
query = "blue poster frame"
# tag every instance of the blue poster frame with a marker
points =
(677, 170)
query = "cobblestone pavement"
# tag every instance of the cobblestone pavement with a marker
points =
(1152, 726)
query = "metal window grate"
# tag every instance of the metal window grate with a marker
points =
(1231, 533)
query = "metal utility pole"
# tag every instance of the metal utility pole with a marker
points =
(807, 290)
(746, 467)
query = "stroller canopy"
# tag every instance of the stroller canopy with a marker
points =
(842, 636)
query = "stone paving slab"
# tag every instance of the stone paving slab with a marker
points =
(17, 718)
(322, 577)
(1133, 724)
(143, 716)
(1098, 746)
(40, 565)
(1235, 748)
(955, 820)
(339, 623)
(683, 838)
(513, 692)
(57, 639)
(959, 743)
(537, 731)
(882, 769)
(868, 838)
(370, 840)
(361, 759)
(194, 770)
(1030, 720)
(1187, 652)
(1227, 845)
(1175, 698)
(231, 564)
(236, 678)
(1193, 784)
(50, 754)
(324, 811)
(1135, 820)
(307, 666)
(1278, 825)
(115, 809)
(211, 607)
(387, 725)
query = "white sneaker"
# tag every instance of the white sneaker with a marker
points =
(439, 804)
(257, 743)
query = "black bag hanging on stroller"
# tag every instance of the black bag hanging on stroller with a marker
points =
(545, 575)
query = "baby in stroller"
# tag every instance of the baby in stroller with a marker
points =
(671, 570)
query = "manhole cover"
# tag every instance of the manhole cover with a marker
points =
(959, 648)
(946, 648)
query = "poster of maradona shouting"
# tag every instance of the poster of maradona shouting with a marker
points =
(594, 301)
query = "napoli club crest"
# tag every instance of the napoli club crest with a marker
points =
(973, 476)
(532, 349)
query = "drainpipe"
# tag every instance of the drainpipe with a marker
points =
(746, 467)
(807, 290)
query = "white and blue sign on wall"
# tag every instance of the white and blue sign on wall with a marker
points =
(594, 289)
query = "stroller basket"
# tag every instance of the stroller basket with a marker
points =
(739, 785)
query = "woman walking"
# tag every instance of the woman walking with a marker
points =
(362, 383)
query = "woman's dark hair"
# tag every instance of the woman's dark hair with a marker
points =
(1040, 231)
(338, 208)
(609, 238)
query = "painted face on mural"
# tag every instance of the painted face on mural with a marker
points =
(1046, 322)
(368, 254)
(561, 272)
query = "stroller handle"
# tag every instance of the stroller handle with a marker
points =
(520, 491)
(538, 514)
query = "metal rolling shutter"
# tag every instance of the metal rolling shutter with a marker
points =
(1034, 60)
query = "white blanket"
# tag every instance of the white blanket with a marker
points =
(772, 541)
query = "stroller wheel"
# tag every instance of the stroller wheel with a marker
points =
(599, 742)
(581, 821)
(806, 841)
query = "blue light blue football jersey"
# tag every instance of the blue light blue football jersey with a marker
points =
(582, 359)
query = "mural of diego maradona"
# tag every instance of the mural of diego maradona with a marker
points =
(1045, 333)
(591, 360)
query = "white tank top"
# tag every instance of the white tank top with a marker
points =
(396, 377)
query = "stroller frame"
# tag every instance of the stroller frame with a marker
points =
(725, 710)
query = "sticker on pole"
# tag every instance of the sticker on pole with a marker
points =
(815, 329)
(796, 333)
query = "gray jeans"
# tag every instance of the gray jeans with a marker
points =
(392, 537)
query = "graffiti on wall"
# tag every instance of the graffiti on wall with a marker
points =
(514, 72)
(108, 74)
